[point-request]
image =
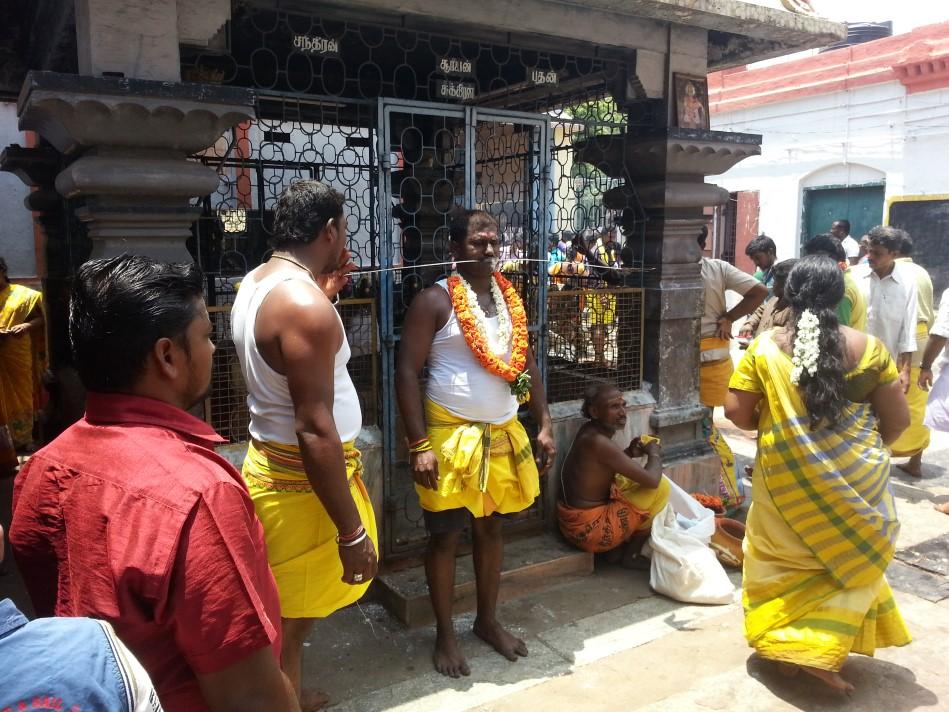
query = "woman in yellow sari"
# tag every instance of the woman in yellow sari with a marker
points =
(21, 365)
(822, 528)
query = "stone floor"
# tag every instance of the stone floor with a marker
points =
(605, 640)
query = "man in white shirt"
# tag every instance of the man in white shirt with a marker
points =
(937, 410)
(892, 298)
(841, 230)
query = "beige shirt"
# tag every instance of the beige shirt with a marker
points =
(720, 277)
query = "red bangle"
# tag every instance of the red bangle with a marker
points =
(351, 537)
(417, 442)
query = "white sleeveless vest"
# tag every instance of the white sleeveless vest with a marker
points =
(268, 397)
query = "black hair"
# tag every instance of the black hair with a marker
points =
(3, 265)
(845, 224)
(816, 283)
(302, 212)
(825, 244)
(782, 269)
(465, 221)
(762, 243)
(889, 238)
(592, 394)
(907, 247)
(702, 237)
(120, 307)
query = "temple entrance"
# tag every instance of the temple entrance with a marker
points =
(409, 126)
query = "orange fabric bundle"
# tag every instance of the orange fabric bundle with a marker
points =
(602, 528)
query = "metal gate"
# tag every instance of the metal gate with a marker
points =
(434, 159)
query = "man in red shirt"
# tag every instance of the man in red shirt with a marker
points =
(131, 517)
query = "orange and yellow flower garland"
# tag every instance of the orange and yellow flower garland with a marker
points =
(476, 339)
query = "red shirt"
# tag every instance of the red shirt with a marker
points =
(131, 517)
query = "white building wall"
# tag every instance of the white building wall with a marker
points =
(855, 137)
(16, 222)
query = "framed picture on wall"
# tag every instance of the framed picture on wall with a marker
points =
(691, 101)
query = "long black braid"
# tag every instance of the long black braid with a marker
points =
(816, 283)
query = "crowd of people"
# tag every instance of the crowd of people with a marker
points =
(213, 578)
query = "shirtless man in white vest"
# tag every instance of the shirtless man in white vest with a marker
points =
(302, 468)
(471, 329)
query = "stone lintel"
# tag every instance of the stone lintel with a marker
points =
(758, 31)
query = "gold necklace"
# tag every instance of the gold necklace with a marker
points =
(295, 262)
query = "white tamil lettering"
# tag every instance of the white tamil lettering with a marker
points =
(316, 45)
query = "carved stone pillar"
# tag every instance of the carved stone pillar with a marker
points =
(130, 140)
(662, 203)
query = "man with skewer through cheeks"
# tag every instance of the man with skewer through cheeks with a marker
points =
(470, 455)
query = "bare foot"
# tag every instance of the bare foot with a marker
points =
(910, 469)
(832, 679)
(313, 700)
(914, 466)
(498, 638)
(944, 507)
(789, 670)
(447, 657)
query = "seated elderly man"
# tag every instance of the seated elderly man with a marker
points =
(608, 498)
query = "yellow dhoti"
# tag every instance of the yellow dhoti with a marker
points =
(915, 438)
(715, 369)
(301, 537)
(505, 482)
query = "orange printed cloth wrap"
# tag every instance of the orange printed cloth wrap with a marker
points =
(602, 528)
(630, 509)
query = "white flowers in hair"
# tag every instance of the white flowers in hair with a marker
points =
(806, 346)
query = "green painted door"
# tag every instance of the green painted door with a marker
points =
(862, 206)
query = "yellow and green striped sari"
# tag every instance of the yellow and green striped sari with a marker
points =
(822, 526)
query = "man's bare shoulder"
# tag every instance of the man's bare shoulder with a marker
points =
(297, 304)
(433, 298)
(430, 306)
(591, 441)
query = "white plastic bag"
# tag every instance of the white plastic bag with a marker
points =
(683, 566)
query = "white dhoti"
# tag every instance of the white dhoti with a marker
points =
(937, 407)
